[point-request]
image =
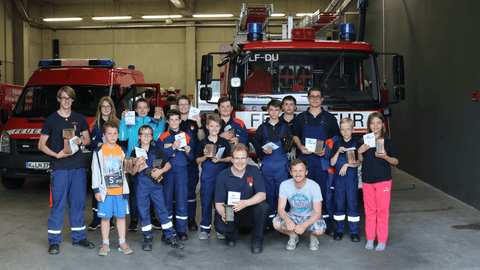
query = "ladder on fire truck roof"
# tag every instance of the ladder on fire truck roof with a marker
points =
(255, 13)
(324, 22)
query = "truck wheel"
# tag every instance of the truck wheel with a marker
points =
(12, 183)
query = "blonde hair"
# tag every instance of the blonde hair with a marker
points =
(346, 120)
(98, 115)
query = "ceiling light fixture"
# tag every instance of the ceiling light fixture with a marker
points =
(278, 14)
(304, 14)
(212, 15)
(62, 19)
(111, 18)
(161, 16)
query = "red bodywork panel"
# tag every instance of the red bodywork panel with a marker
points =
(317, 44)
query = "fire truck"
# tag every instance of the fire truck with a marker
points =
(91, 79)
(9, 95)
(261, 66)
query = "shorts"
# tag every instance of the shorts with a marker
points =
(318, 225)
(113, 206)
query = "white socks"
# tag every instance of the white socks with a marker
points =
(381, 247)
(369, 245)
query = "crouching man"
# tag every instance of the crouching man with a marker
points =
(305, 199)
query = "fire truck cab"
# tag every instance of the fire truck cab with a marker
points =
(261, 67)
(91, 80)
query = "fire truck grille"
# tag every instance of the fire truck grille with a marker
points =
(28, 147)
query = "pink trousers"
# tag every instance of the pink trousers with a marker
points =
(376, 198)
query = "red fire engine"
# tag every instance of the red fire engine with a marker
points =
(91, 80)
(263, 66)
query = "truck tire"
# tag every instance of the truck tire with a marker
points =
(12, 183)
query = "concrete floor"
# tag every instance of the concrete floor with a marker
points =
(428, 230)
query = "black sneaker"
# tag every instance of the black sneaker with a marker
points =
(329, 232)
(84, 243)
(147, 244)
(338, 237)
(133, 225)
(53, 249)
(93, 226)
(192, 226)
(173, 242)
(182, 236)
(156, 224)
(112, 225)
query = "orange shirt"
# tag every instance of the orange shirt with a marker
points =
(112, 169)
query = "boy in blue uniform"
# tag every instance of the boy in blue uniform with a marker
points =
(316, 123)
(275, 162)
(176, 180)
(289, 106)
(211, 167)
(148, 191)
(107, 172)
(195, 127)
(68, 179)
(346, 182)
(129, 133)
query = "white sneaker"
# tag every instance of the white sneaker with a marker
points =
(220, 236)
(292, 243)
(203, 236)
(314, 245)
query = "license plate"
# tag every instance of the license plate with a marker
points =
(38, 165)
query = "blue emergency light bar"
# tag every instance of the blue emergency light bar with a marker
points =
(254, 32)
(347, 31)
(76, 63)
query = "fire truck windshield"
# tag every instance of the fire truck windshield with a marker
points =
(340, 74)
(41, 101)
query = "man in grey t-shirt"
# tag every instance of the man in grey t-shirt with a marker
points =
(305, 199)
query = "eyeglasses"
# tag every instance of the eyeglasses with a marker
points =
(146, 134)
(66, 99)
(183, 104)
(239, 158)
(315, 97)
(106, 107)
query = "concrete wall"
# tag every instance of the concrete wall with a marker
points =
(6, 42)
(436, 128)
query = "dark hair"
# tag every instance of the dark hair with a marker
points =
(149, 93)
(240, 147)
(315, 89)
(174, 112)
(170, 99)
(275, 103)
(291, 98)
(111, 124)
(141, 100)
(185, 97)
(224, 99)
(298, 161)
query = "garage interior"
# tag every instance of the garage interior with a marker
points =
(430, 128)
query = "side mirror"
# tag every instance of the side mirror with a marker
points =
(205, 93)
(207, 67)
(399, 93)
(398, 70)
(4, 116)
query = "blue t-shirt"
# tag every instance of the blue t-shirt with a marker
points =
(375, 169)
(53, 127)
(250, 184)
(301, 200)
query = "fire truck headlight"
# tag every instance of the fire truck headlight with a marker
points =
(235, 82)
(5, 142)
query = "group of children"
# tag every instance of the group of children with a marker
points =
(163, 185)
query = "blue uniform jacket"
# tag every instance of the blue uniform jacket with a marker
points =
(176, 157)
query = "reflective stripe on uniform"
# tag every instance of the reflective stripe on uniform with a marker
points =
(325, 216)
(354, 219)
(79, 228)
(339, 217)
(147, 228)
(192, 200)
(179, 217)
(55, 231)
(167, 226)
(206, 227)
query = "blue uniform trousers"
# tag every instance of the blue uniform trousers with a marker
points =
(147, 192)
(346, 190)
(192, 187)
(68, 185)
(175, 187)
(274, 174)
(208, 182)
(133, 200)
